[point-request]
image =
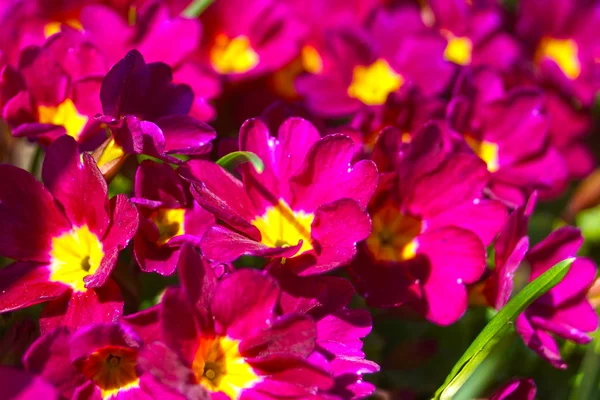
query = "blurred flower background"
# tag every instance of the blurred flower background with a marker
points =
(299, 199)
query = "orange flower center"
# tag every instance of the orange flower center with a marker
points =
(170, 223)
(394, 235)
(219, 367)
(112, 369)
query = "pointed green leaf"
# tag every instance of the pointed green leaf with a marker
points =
(498, 327)
(233, 160)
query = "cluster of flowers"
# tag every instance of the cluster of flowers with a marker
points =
(400, 143)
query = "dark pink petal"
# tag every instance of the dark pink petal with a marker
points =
(458, 181)
(49, 358)
(461, 262)
(482, 217)
(75, 309)
(222, 194)
(180, 329)
(333, 247)
(154, 258)
(244, 303)
(21, 385)
(292, 334)
(29, 215)
(339, 333)
(186, 135)
(558, 246)
(297, 372)
(88, 339)
(575, 284)
(540, 342)
(124, 223)
(167, 39)
(499, 286)
(295, 138)
(327, 175)
(145, 323)
(571, 321)
(223, 245)
(518, 389)
(166, 367)
(198, 281)
(78, 186)
(23, 284)
(124, 85)
(265, 188)
(159, 182)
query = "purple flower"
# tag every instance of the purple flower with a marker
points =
(564, 311)
(169, 217)
(147, 114)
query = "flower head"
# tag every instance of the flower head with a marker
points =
(308, 193)
(65, 236)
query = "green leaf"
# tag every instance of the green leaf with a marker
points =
(232, 160)
(196, 8)
(498, 327)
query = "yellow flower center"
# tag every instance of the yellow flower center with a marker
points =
(112, 369)
(280, 226)
(66, 115)
(219, 367)
(74, 255)
(170, 223)
(563, 52)
(459, 50)
(311, 60)
(374, 83)
(52, 28)
(233, 56)
(487, 151)
(394, 235)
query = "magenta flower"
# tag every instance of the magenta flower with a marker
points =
(297, 208)
(66, 238)
(21, 385)
(363, 68)
(55, 91)
(169, 217)
(160, 36)
(561, 38)
(97, 361)
(430, 225)
(474, 32)
(147, 114)
(243, 40)
(509, 131)
(338, 347)
(564, 311)
(224, 337)
(516, 389)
